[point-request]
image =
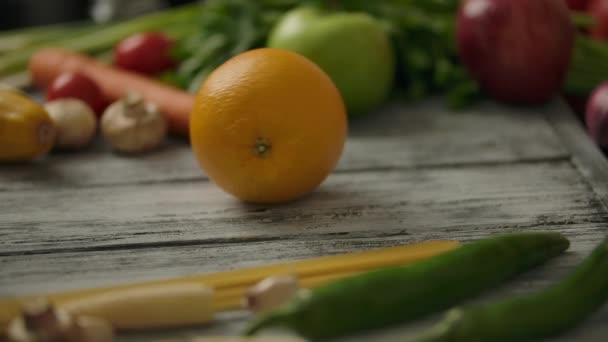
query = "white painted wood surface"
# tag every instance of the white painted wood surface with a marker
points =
(408, 174)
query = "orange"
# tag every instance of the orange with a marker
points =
(268, 126)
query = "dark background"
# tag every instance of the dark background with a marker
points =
(24, 13)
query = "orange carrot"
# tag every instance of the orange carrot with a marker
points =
(48, 63)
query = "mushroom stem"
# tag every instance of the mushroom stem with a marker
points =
(134, 106)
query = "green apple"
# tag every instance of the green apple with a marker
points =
(352, 48)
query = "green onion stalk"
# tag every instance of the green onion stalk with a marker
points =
(97, 39)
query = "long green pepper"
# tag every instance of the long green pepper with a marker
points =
(400, 294)
(531, 316)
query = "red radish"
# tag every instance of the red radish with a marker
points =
(597, 115)
(147, 53)
(598, 9)
(518, 50)
(115, 83)
(79, 86)
(577, 5)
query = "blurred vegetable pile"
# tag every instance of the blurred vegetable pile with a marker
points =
(461, 49)
(207, 34)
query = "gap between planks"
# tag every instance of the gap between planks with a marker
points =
(215, 242)
(586, 156)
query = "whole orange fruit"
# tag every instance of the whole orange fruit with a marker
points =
(268, 126)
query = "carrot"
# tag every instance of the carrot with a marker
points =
(46, 64)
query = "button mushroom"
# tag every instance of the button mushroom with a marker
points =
(75, 121)
(131, 125)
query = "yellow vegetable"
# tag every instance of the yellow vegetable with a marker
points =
(26, 129)
(159, 306)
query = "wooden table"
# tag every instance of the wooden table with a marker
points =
(408, 174)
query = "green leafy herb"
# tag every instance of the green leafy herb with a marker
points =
(225, 28)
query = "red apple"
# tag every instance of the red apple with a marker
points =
(518, 50)
(598, 9)
(577, 5)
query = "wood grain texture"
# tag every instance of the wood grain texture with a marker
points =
(407, 175)
(592, 330)
(41, 273)
(586, 155)
(418, 201)
(58, 271)
(422, 135)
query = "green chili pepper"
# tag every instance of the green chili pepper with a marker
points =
(531, 316)
(399, 294)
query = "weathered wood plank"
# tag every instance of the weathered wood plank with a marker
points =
(56, 272)
(39, 273)
(413, 201)
(92, 219)
(593, 329)
(398, 136)
(587, 156)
